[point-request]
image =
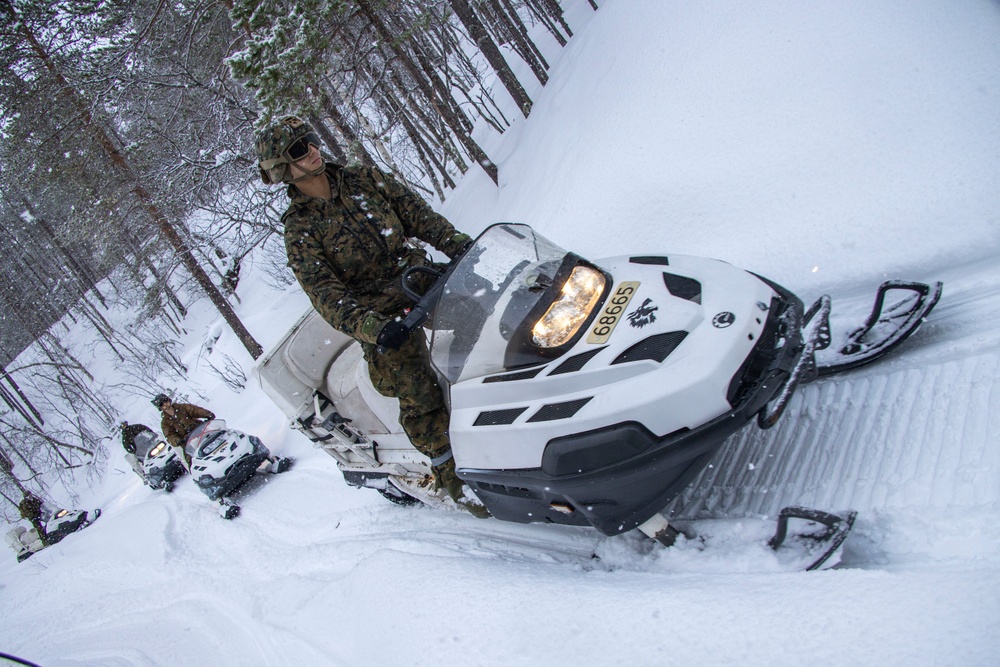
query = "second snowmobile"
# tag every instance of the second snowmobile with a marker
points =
(223, 460)
(583, 393)
(161, 466)
(58, 524)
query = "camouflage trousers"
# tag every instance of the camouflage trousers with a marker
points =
(406, 374)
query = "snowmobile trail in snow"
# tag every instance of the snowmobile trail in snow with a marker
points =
(908, 439)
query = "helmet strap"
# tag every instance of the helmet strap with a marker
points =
(315, 172)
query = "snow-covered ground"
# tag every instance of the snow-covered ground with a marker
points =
(826, 145)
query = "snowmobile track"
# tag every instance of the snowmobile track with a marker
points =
(912, 432)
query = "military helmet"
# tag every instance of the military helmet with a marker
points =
(123, 426)
(281, 143)
(159, 400)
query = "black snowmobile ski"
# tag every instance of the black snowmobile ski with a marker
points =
(821, 544)
(882, 332)
(228, 509)
(815, 326)
(885, 328)
(805, 539)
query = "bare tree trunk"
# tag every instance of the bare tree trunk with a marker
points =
(354, 142)
(24, 399)
(164, 225)
(474, 150)
(329, 139)
(489, 48)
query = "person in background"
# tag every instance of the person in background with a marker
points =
(179, 419)
(129, 432)
(33, 509)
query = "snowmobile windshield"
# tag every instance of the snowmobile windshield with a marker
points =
(205, 438)
(515, 299)
(144, 442)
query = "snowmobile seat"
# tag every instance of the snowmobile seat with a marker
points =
(349, 387)
(312, 348)
(297, 366)
(21, 539)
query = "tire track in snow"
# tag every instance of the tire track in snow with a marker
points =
(916, 437)
(911, 435)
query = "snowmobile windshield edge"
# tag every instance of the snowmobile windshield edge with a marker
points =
(505, 304)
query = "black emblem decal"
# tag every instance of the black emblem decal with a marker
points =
(643, 315)
(723, 319)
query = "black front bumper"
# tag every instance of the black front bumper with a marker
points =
(616, 477)
(158, 478)
(237, 475)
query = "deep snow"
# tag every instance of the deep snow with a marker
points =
(825, 145)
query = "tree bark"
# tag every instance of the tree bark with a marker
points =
(161, 221)
(489, 48)
(474, 149)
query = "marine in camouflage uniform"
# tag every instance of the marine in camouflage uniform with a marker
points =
(129, 432)
(349, 251)
(32, 508)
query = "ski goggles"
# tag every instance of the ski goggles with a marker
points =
(297, 150)
(300, 147)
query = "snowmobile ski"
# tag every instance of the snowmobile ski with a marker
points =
(808, 544)
(280, 465)
(228, 509)
(819, 545)
(885, 328)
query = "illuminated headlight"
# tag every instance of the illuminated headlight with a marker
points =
(61, 513)
(564, 317)
(160, 446)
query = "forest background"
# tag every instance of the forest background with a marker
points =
(128, 179)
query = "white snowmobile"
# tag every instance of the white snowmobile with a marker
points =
(161, 466)
(58, 524)
(584, 393)
(223, 460)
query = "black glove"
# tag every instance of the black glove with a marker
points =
(392, 335)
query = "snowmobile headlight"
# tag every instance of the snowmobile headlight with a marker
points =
(155, 451)
(579, 294)
(61, 513)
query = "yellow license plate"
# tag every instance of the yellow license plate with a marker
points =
(612, 313)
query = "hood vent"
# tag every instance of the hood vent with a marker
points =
(657, 348)
(523, 375)
(654, 261)
(683, 288)
(555, 411)
(575, 363)
(498, 417)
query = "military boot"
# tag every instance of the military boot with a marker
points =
(447, 479)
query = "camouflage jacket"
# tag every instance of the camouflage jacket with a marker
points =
(186, 418)
(31, 508)
(349, 252)
(128, 436)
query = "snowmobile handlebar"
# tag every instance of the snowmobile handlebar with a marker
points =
(424, 303)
